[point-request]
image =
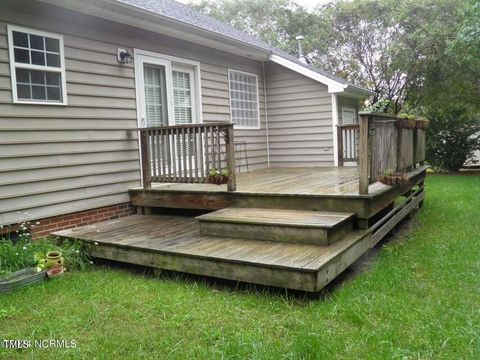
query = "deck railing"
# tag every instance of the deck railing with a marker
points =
(347, 143)
(187, 153)
(388, 143)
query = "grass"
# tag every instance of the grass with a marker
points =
(420, 299)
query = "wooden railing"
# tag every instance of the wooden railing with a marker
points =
(347, 143)
(385, 143)
(187, 153)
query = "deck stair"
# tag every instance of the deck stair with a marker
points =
(292, 226)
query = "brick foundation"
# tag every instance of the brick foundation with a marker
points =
(81, 218)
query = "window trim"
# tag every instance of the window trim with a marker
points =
(173, 62)
(14, 65)
(350, 109)
(238, 127)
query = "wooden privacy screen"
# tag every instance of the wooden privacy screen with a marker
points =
(186, 153)
(387, 142)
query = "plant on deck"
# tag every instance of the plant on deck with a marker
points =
(392, 178)
(219, 177)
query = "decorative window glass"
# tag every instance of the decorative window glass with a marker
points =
(244, 105)
(37, 66)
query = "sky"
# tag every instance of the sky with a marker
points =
(309, 4)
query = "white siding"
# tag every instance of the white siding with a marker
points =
(299, 119)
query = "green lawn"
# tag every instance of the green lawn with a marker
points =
(419, 300)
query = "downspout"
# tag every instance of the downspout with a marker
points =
(266, 113)
(335, 129)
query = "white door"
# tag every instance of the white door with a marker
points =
(166, 97)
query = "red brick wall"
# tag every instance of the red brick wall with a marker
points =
(73, 220)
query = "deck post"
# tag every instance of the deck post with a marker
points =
(147, 181)
(230, 154)
(363, 155)
(340, 146)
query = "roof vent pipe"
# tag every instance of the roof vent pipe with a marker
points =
(301, 57)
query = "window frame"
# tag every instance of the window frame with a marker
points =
(14, 65)
(242, 127)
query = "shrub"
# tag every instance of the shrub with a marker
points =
(18, 251)
(452, 137)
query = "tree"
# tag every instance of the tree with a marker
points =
(275, 21)
(452, 137)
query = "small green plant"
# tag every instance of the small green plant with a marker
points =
(381, 106)
(388, 172)
(18, 251)
(218, 177)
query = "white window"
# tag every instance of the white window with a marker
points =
(37, 66)
(244, 104)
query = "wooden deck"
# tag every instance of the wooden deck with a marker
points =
(316, 189)
(174, 243)
(290, 246)
(287, 181)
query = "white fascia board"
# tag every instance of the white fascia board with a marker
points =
(358, 92)
(333, 86)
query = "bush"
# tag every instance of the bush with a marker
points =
(452, 137)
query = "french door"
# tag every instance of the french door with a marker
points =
(166, 97)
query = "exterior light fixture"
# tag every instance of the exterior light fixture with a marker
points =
(124, 57)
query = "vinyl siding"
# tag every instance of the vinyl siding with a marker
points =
(299, 119)
(60, 159)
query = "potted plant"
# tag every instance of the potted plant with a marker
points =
(219, 177)
(390, 177)
(406, 123)
(53, 259)
(421, 124)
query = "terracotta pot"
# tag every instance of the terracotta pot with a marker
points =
(406, 123)
(54, 259)
(55, 272)
(421, 124)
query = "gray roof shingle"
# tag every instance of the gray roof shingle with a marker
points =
(183, 13)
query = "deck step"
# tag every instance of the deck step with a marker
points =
(293, 226)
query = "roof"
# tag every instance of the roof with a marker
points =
(181, 21)
(183, 13)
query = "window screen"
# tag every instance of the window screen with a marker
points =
(244, 99)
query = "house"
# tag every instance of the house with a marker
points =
(69, 109)
(78, 79)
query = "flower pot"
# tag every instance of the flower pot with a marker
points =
(54, 259)
(20, 279)
(218, 179)
(55, 272)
